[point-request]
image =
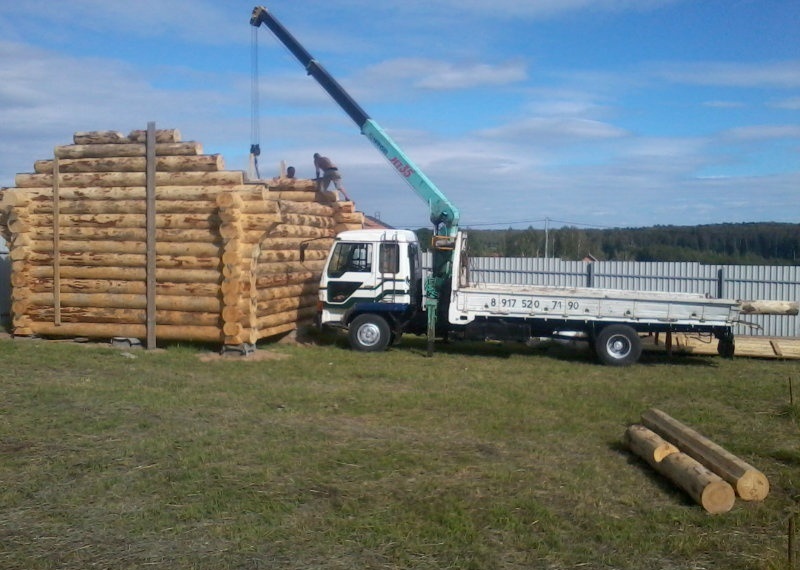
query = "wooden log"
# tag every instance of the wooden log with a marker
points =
(307, 220)
(287, 230)
(345, 218)
(282, 267)
(292, 255)
(93, 259)
(115, 287)
(294, 243)
(109, 179)
(285, 279)
(288, 291)
(99, 137)
(647, 444)
(308, 208)
(123, 316)
(248, 192)
(769, 307)
(708, 489)
(277, 306)
(124, 207)
(177, 249)
(292, 316)
(172, 235)
(277, 330)
(162, 136)
(104, 330)
(128, 301)
(175, 221)
(292, 185)
(129, 149)
(128, 274)
(182, 163)
(344, 207)
(750, 483)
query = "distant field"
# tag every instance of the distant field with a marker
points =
(482, 457)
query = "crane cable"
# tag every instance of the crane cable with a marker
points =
(255, 135)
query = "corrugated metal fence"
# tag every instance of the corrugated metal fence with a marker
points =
(745, 282)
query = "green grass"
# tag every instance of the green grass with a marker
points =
(482, 457)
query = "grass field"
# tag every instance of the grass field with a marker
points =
(482, 457)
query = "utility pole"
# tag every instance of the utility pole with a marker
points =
(546, 237)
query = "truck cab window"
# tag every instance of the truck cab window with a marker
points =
(390, 258)
(350, 257)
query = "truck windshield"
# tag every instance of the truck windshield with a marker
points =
(350, 257)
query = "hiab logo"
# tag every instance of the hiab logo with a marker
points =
(402, 167)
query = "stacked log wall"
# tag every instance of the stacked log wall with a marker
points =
(229, 266)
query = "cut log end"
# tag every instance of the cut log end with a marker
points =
(752, 486)
(717, 497)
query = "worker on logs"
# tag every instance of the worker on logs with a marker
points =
(330, 173)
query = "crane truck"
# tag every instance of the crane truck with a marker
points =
(372, 284)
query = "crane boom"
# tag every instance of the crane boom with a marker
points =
(443, 213)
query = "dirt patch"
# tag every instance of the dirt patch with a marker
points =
(257, 356)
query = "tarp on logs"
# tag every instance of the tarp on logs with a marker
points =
(228, 261)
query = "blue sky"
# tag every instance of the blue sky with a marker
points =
(610, 113)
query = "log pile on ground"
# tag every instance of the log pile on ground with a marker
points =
(710, 474)
(228, 262)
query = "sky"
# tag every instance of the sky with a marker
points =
(525, 113)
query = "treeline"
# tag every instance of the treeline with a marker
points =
(747, 243)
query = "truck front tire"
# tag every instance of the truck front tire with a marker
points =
(618, 345)
(369, 333)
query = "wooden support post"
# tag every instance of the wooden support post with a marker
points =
(750, 483)
(150, 224)
(56, 245)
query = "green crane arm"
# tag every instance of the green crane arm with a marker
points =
(443, 213)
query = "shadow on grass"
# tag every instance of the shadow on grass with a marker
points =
(661, 482)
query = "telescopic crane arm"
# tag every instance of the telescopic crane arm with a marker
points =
(443, 213)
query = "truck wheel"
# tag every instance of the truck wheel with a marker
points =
(618, 345)
(369, 333)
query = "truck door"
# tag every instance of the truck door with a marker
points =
(350, 270)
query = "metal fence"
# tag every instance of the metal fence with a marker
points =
(743, 282)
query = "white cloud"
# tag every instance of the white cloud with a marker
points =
(763, 132)
(792, 104)
(784, 74)
(442, 75)
(547, 131)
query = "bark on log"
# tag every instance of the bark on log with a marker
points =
(705, 487)
(287, 292)
(648, 445)
(750, 483)
(99, 137)
(109, 179)
(769, 307)
(287, 230)
(185, 163)
(162, 136)
(103, 330)
(282, 267)
(285, 279)
(129, 149)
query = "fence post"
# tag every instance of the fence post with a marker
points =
(721, 283)
(589, 274)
